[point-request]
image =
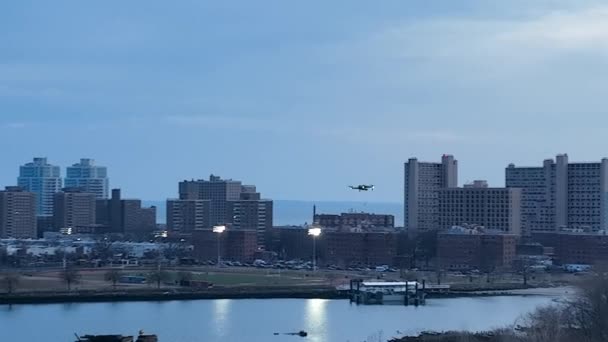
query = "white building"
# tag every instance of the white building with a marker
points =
(562, 194)
(90, 177)
(477, 204)
(423, 182)
(44, 180)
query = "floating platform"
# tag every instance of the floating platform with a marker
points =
(380, 293)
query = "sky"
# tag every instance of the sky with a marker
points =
(300, 98)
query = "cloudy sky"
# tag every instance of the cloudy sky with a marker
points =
(300, 98)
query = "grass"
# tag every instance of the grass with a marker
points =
(232, 279)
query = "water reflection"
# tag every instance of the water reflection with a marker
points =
(316, 318)
(258, 320)
(221, 313)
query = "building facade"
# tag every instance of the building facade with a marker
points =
(234, 245)
(462, 248)
(206, 203)
(422, 184)
(574, 246)
(359, 248)
(217, 190)
(74, 208)
(44, 180)
(493, 208)
(125, 215)
(364, 221)
(251, 212)
(90, 177)
(186, 216)
(17, 213)
(561, 194)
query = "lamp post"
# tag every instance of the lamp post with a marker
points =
(219, 230)
(314, 232)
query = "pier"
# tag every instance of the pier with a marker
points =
(380, 293)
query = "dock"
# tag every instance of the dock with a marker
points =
(380, 293)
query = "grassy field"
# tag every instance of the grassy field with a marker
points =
(95, 279)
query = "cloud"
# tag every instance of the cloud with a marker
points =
(14, 125)
(496, 46)
(585, 29)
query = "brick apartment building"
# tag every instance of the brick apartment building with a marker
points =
(360, 248)
(354, 220)
(235, 245)
(461, 248)
(336, 247)
(576, 246)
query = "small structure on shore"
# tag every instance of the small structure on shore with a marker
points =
(374, 292)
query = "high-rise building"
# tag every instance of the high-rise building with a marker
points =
(74, 208)
(186, 216)
(125, 215)
(218, 191)
(44, 180)
(498, 209)
(17, 213)
(560, 194)
(90, 177)
(423, 182)
(252, 212)
(206, 203)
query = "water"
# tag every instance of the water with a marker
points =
(287, 212)
(257, 320)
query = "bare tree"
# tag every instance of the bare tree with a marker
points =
(183, 277)
(103, 249)
(113, 276)
(10, 282)
(589, 312)
(70, 276)
(546, 324)
(158, 276)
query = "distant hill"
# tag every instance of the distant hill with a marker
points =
(294, 212)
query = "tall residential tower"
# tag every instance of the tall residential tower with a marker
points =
(44, 180)
(423, 182)
(560, 194)
(89, 177)
(17, 213)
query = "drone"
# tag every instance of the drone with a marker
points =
(362, 187)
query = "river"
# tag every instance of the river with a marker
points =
(258, 320)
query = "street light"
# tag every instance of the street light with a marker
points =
(219, 230)
(314, 232)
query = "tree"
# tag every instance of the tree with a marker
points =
(70, 276)
(426, 245)
(103, 249)
(589, 312)
(524, 265)
(183, 277)
(175, 250)
(3, 255)
(158, 276)
(10, 282)
(113, 276)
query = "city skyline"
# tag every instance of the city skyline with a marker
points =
(331, 104)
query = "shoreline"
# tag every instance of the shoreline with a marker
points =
(167, 295)
(237, 293)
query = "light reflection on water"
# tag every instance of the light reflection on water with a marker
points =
(221, 316)
(259, 320)
(316, 318)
